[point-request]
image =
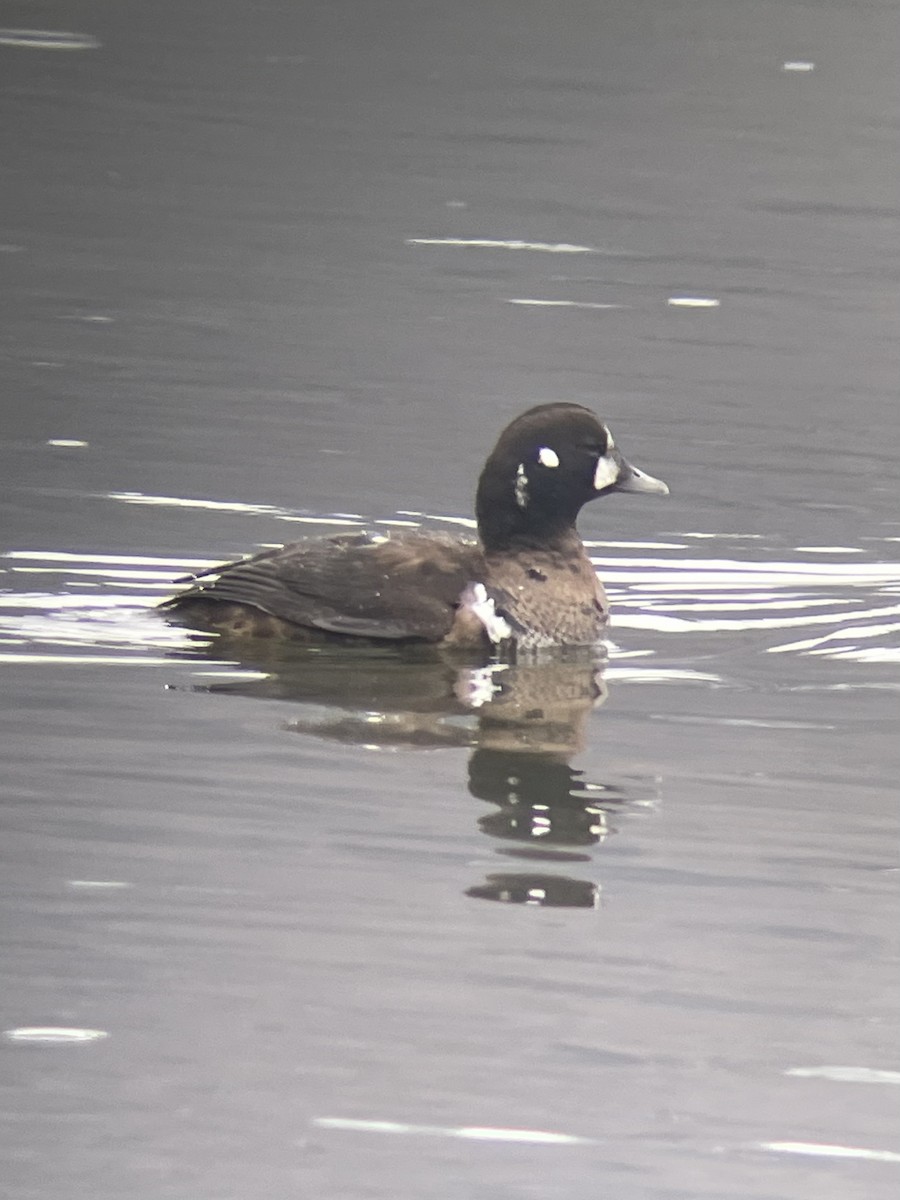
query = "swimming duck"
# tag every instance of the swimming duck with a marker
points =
(526, 583)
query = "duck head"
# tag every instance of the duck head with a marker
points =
(547, 464)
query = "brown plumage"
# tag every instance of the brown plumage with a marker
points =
(527, 581)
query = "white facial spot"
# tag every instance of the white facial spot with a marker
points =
(521, 486)
(610, 444)
(548, 457)
(606, 474)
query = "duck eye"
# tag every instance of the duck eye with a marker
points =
(548, 457)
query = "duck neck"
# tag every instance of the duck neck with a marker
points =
(505, 528)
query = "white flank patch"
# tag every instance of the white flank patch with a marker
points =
(801, 65)
(548, 457)
(67, 443)
(606, 474)
(482, 605)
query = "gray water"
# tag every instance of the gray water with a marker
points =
(325, 925)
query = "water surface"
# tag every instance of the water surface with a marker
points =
(382, 927)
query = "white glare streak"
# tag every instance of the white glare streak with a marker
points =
(884, 656)
(86, 660)
(59, 603)
(472, 1132)
(846, 1074)
(748, 600)
(465, 522)
(318, 520)
(99, 884)
(123, 559)
(664, 624)
(732, 570)
(500, 244)
(659, 675)
(537, 1136)
(182, 502)
(636, 545)
(854, 632)
(563, 303)
(693, 302)
(237, 506)
(54, 1035)
(823, 1150)
(104, 572)
(47, 39)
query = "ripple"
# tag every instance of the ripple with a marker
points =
(847, 610)
(824, 1150)
(499, 244)
(587, 304)
(479, 1133)
(693, 302)
(652, 674)
(113, 623)
(53, 1035)
(236, 506)
(847, 1074)
(47, 39)
(843, 611)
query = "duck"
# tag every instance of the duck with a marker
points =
(526, 583)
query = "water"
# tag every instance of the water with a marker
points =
(338, 926)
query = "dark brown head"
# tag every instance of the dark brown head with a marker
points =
(546, 465)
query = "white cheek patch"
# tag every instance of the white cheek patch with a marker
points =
(606, 474)
(521, 486)
(548, 457)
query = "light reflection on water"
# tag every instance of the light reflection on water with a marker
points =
(847, 609)
(677, 620)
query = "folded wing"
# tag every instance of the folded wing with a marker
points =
(396, 587)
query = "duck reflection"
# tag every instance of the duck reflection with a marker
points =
(523, 723)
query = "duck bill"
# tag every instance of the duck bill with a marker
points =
(633, 480)
(617, 474)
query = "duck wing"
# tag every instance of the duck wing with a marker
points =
(391, 587)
